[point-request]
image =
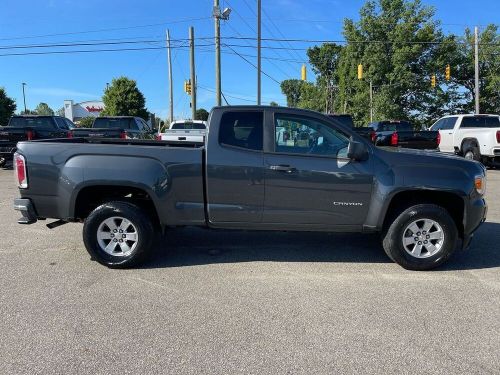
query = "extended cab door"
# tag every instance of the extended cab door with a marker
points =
(446, 127)
(235, 167)
(310, 182)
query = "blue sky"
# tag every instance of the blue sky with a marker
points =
(83, 76)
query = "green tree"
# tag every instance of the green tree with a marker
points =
(86, 122)
(43, 109)
(274, 104)
(7, 107)
(201, 114)
(312, 97)
(123, 98)
(398, 44)
(60, 112)
(291, 88)
(459, 54)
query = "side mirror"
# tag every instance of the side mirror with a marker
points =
(357, 151)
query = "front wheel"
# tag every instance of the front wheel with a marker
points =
(118, 234)
(422, 237)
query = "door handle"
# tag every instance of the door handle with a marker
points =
(282, 168)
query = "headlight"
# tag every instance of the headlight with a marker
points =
(480, 184)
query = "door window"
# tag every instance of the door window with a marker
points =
(438, 125)
(61, 123)
(242, 129)
(302, 135)
(449, 123)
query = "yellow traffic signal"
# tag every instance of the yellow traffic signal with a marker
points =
(448, 72)
(187, 87)
(433, 80)
(360, 71)
(303, 73)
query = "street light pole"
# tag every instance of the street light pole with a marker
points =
(258, 51)
(371, 101)
(476, 67)
(24, 98)
(218, 101)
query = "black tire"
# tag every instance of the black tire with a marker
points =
(471, 152)
(393, 237)
(141, 224)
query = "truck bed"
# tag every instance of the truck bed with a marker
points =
(170, 172)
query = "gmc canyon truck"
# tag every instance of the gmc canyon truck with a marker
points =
(27, 128)
(245, 177)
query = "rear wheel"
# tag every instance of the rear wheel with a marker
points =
(422, 237)
(472, 153)
(118, 234)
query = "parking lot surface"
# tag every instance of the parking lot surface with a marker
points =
(241, 302)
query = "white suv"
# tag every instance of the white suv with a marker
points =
(475, 137)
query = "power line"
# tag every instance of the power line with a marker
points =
(109, 29)
(239, 37)
(251, 63)
(92, 50)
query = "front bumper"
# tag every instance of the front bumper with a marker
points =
(27, 209)
(475, 216)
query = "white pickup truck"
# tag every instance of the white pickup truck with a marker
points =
(185, 131)
(475, 137)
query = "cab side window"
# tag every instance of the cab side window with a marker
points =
(438, 125)
(307, 136)
(61, 124)
(242, 129)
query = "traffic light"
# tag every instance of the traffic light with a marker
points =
(360, 71)
(187, 87)
(448, 72)
(433, 80)
(303, 73)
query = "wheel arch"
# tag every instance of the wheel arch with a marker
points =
(88, 197)
(451, 201)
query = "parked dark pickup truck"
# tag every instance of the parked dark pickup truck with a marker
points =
(247, 176)
(26, 128)
(399, 134)
(117, 127)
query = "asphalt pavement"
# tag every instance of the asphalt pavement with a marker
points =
(227, 302)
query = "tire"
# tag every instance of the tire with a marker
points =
(113, 220)
(409, 248)
(471, 152)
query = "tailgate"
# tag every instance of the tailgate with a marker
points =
(418, 139)
(97, 132)
(13, 135)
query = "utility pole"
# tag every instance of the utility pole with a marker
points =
(476, 67)
(193, 76)
(24, 98)
(258, 50)
(170, 78)
(218, 101)
(371, 101)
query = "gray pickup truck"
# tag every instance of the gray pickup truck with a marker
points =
(260, 168)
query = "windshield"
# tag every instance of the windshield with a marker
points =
(31, 122)
(122, 123)
(187, 125)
